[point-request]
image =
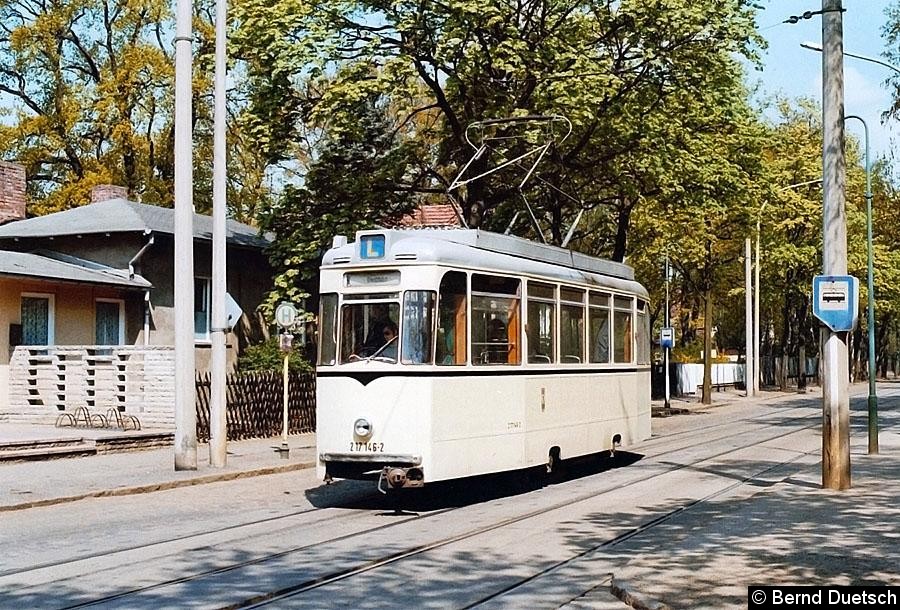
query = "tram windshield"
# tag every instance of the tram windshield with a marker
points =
(369, 330)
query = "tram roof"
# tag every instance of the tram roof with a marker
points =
(474, 247)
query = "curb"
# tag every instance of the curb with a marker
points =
(163, 486)
(623, 591)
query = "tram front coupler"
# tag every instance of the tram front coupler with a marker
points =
(398, 477)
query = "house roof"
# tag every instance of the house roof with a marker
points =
(61, 267)
(121, 216)
(442, 215)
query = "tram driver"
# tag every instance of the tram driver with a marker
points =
(380, 320)
(390, 341)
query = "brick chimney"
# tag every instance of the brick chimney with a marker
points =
(104, 192)
(12, 191)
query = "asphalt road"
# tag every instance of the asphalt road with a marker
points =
(511, 541)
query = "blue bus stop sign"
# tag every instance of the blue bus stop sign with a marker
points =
(667, 337)
(836, 301)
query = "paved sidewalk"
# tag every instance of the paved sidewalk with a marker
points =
(790, 533)
(794, 533)
(39, 483)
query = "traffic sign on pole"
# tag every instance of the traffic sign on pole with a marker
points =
(836, 301)
(286, 315)
(667, 337)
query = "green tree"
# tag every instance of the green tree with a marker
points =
(626, 74)
(89, 84)
(333, 200)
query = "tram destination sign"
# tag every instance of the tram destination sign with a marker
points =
(836, 301)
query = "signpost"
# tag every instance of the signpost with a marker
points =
(836, 301)
(286, 317)
(666, 342)
(667, 337)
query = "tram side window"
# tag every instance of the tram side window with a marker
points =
(418, 325)
(451, 334)
(495, 319)
(599, 324)
(642, 332)
(541, 323)
(571, 325)
(369, 330)
(622, 330)
(328, 329)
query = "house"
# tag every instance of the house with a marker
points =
(87, 303)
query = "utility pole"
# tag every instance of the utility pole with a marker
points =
(835, 391)
(748, 319)
(757, 346)
(218, 429)
(667, 349)
(185, 408)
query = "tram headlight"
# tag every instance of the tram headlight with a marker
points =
(362, 427)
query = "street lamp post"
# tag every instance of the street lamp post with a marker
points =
(756, 290)
(873, 399)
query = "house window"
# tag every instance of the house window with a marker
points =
(37, 319)
(201, 308)
(109, 322)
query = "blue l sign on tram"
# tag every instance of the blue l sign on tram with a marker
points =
(836, 301)
(371, 246)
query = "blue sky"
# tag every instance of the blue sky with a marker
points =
(794, 71)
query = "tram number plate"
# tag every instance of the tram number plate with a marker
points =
(370, 447)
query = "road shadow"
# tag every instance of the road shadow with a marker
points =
(464, 491)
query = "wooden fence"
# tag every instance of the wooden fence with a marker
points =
(255, 404)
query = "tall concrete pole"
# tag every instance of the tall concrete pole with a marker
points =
(185, 409)
(757, 346)
(835, 391)
(217, 395)
(748, 318)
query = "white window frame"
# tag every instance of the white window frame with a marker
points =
(204, 337)
(121, 303)
(51, 312)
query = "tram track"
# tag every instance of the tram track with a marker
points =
(343, 517)
(650, 457)
(300, 588)
(325, 579)
(656, 521)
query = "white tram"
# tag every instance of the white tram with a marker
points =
(452, 353)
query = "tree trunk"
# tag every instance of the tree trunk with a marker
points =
(782, 373)
(802, 317)
(801, 364)
(623, 220)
